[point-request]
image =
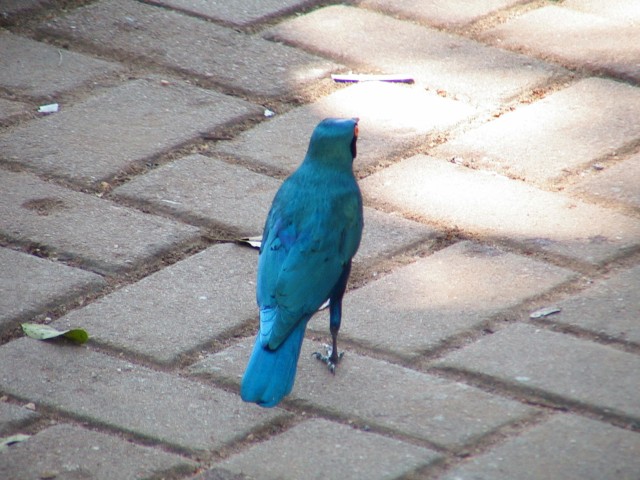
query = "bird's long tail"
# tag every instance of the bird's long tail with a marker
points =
(270, 374)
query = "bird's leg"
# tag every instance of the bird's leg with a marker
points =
(332, 357)
(335, 316)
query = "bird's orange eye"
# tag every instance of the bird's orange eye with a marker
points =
(356, 130)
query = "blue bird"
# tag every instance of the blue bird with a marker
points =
(311, 234)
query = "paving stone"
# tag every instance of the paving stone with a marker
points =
(128, 397)
(30, 285)
(392, 117)
(618, 182)
(556, 364)
(621, 10)
(445, 294)
(220, 474)
(498, 208)
(565, 446)
(560, 133)
(573, 38)
(11, 111)
(240, 62)
(13, 417)
(440, 13)
(238, 13)
(224, 194)
(65, 451)
(82, 228)
(441, 61)
(10, 9)
(386, 235)
(36, 69)
(315, 449)
(106, 134)
(193, 302)
(609, 307)
(376, 392)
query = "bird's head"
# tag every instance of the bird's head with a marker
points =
(334, 141)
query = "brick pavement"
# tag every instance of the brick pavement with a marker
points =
(504, 180)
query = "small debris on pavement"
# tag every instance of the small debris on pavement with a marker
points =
(354, 78)
(6, 441)
(254, 242)
(544, 312)
(51, 108)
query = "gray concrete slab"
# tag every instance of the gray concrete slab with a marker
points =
(40, 70)
(316, 449)
(392, 117)
(617, 182)
(191, 303)
(378, 393)
(127, 397)
(440, 13)
(556, 364)
(560, 134)
(223, 194)
(30, 285)
(14, 417)
(438, 60)
(67, 451)
(627, 11)
(238, 13)
(609, 307)
(11, 111)
(565, 446)
(106, 134)
(386, 235)
(240, 62)
(574, 39)
(82, 228)
(499, 208)
(217, 473)
(10, 10)
(417, 307)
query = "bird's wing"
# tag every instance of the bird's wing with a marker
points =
(300, 264)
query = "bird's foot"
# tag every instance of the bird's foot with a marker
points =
(329, 359)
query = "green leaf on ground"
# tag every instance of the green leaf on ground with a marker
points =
(45, 332)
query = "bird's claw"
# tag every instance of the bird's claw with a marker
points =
(329, 359)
